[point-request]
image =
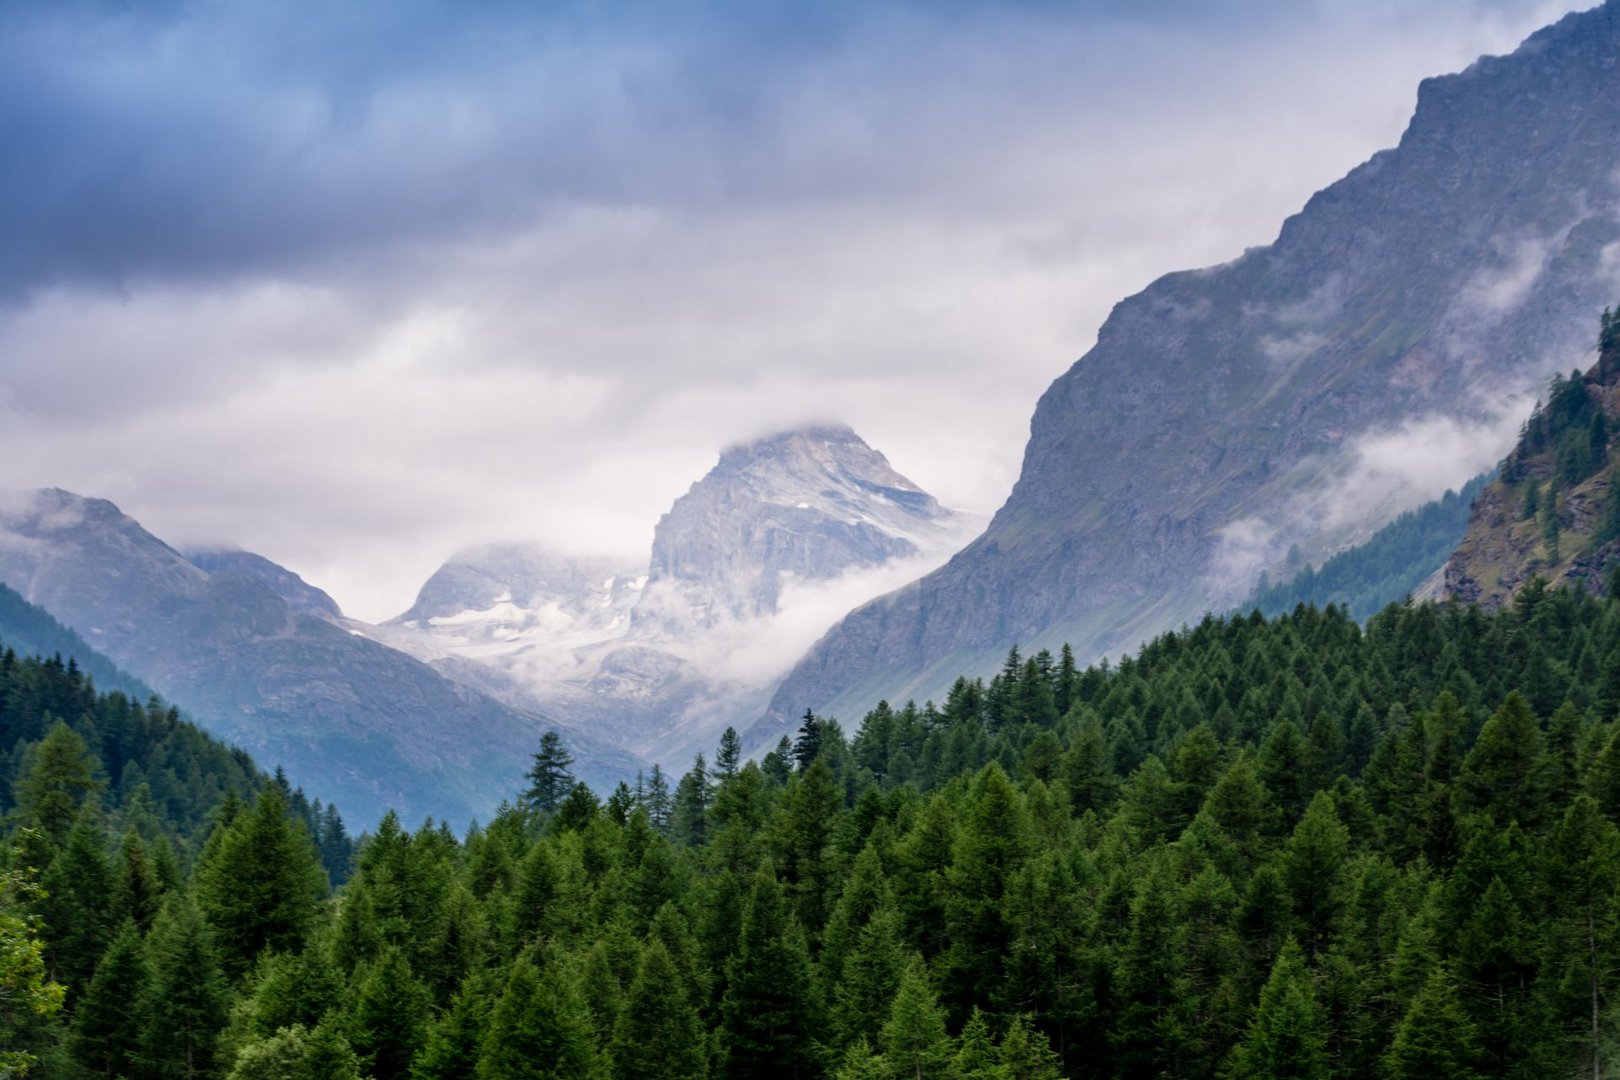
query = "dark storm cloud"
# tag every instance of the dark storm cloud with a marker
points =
(208, 138)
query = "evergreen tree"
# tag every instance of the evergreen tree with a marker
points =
(807, 746)
(387, 1020)
(1314, 871)
(1026, 1054)
(540, 1028)
(989, 849)
(74, 903)
(60, 775)
(728, 757)
(549, 777)
(657, 799)
(576, 811)
(693, 796)
(659, 1035)
(260, 882)
(1435, 1037)
(185, 1003)
(1506, 775)
(108, 1021)
(1583, 871)
(914, 1040)
(136, 888)
(976, 1054)
(450, 1048)
(769, 1022)
(1287, 1039)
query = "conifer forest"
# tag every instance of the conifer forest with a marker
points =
(1257, 848)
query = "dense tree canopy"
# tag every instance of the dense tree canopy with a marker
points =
(1295, 847)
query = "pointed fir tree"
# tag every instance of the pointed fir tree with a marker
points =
(75, 886)
(540, 1028)
(451, 1045)
(136, 888)
(689, 823)
(728, 757)
(61, 774)
(1314, 871)
(260, 883)
(976, 1054)
(769, 1016)
(108, 1020)
(1287, 1040)
(1435, 1038)
(549, 777)
(1026, 1054)
(185, 1002)
(388, 1018)
(1506, 774)
(659, 1035)
(807, 745)
(914, 1040)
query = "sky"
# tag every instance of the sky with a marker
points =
(358, 285)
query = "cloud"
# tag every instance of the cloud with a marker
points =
(358, 285)
(1379, 475)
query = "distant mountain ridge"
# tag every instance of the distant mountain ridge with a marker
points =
(1229, 413)
(367, 726)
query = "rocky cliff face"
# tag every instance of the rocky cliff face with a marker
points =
(1290, 396)
(782, 536)
(359, 724)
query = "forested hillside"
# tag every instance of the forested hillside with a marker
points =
(1554, 510)
(1258, 848)
(33, 631)
(110, 804)
(1389, 566)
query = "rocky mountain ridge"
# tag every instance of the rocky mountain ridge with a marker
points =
(1299, 394)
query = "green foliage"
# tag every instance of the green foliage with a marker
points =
(259, 882)
(1296, 847)
(186, 999)
(770, 1020)
(549, 777)
(1287, 1039)
(659, 1035)
(540, 1028)
(27, 995)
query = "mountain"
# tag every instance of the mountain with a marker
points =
(1554, 512)
(30, 630)
(367, 726)
(507, 594)
(1377, 352)
(758, 557)
(299, 595)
